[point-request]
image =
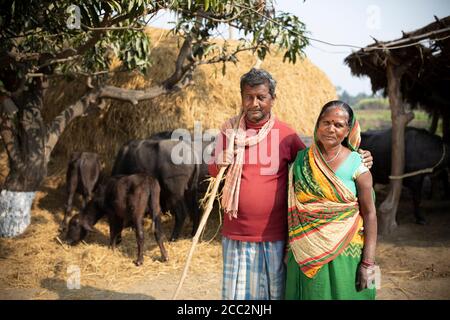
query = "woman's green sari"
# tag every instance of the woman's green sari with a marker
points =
(325, 227)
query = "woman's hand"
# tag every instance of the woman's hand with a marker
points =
(365, 278)
(367, 158)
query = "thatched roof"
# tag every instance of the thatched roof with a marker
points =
(425, 53)
(302, 89)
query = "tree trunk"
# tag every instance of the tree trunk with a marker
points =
(388, 209)
(15, 212)
(23, 134)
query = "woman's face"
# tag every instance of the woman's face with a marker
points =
(333, 127)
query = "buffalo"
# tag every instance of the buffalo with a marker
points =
(82, 175)
(175, 165)
(422, 150)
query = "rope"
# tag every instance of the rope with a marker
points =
(427, 170)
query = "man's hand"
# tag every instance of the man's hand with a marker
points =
(224, 158)
(366, 158)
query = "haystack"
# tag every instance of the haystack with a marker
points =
(302, 90)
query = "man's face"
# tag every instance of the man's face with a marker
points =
(257, 102)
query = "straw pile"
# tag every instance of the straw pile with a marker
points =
(302, 90)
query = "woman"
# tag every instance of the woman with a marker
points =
(331, 215)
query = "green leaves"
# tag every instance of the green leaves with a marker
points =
(133, 49)
(115, 27)
(206, 5)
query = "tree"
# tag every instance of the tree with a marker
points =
(49, 39)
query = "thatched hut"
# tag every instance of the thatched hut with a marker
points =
(302, 90)
(413, 69)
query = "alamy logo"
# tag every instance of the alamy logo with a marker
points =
(373, 21)
(375, 278)
(74, 19)
(199, 148)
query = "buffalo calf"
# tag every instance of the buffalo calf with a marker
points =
(124, 200)
(82, 175)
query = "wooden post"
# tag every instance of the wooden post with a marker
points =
(388, 209)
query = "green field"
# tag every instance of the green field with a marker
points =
(381, 119)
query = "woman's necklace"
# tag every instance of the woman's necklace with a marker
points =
(337, 154)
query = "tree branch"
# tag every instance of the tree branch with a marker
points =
(180, 70)
(226, 57)
(134, 96)
(223, 18)
(59, 124)
(114, 28)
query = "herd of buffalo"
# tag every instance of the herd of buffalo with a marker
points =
(145, 181)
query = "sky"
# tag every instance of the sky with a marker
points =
(352, 22)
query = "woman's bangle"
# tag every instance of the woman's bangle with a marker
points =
(367, 264)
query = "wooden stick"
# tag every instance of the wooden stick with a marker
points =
(208, 209)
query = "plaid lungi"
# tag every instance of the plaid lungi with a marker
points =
(253, 270)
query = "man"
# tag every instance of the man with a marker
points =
(255, 193)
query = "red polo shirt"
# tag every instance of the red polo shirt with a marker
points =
(262, 211)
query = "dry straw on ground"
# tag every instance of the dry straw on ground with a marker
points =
(37, 259)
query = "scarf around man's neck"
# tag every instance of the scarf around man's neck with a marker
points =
(231, 189)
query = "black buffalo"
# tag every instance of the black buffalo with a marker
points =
(422, 150)
(82, 175)
(179, 181)
(124, 200)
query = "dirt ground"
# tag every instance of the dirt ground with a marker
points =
(414, 261)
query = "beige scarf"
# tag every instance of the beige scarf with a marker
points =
(231, 189)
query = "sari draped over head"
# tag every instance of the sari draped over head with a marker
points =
(323, 214)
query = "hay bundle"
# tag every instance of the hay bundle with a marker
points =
(302, 90)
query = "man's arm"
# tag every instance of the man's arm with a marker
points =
(296, 146)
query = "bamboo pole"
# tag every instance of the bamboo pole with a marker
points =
(209, 206)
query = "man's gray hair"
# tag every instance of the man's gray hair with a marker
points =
(256, 77)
